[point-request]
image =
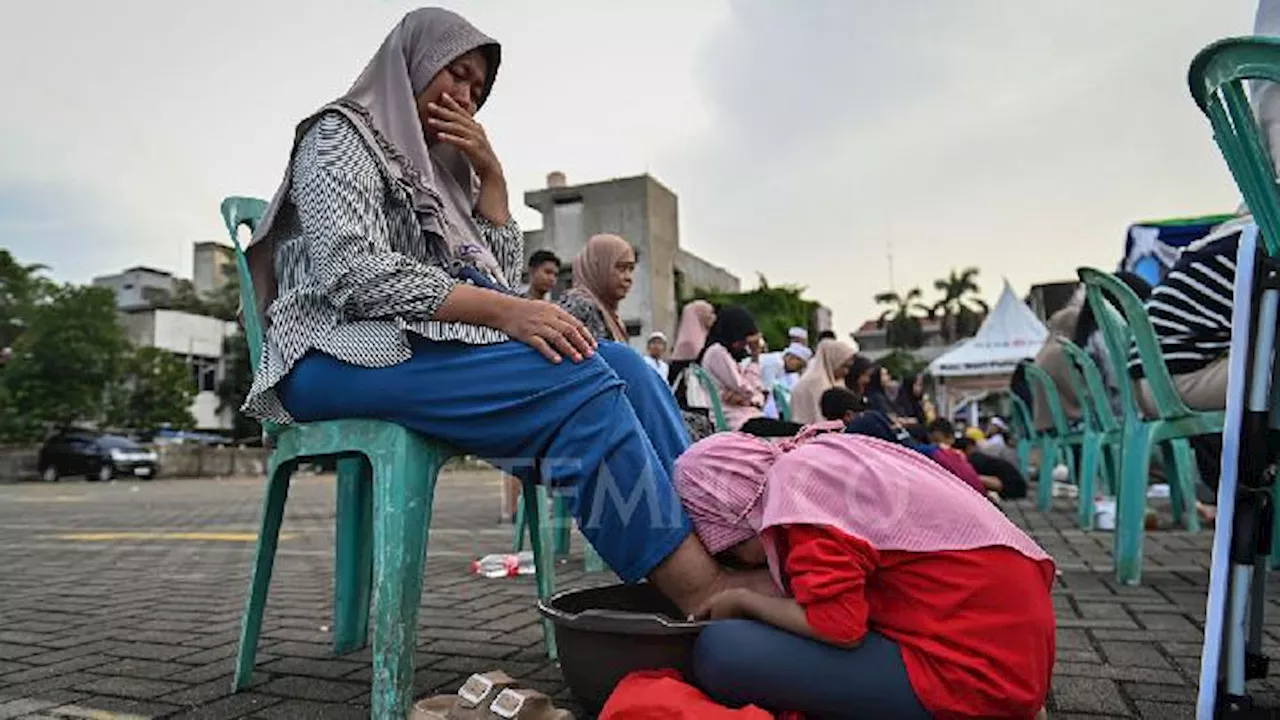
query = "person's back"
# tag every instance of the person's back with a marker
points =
(1190, 311)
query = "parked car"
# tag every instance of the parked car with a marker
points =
(95, 456)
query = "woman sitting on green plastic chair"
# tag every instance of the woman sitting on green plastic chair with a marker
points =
(386, 262)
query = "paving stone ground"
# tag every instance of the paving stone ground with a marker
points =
(123, 600)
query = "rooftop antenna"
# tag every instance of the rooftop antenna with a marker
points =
(889, 249)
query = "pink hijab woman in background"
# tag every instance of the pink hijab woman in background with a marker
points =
(908, 595)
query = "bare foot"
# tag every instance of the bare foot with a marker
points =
(690, 576)
(1042, 715)
(1208, 513)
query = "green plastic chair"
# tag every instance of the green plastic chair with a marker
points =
(782, 401)
(1126, 325)
(561, 525)
(386, 484)
(1055, 442)
(1101, 450)
(1216, 77)
(1026, 430)
(713, 392)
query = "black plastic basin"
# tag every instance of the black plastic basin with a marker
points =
(605, 632)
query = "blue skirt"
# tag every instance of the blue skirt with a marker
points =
(604, 433)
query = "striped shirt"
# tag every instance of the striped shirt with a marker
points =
(1191, 308)
(355, 270)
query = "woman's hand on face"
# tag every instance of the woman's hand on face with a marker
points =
(548, 329)
(455, 126)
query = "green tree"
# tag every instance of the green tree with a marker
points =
(22, 289)
(235, 385)
(775, 309)
(65, 362)
(901, 363)
(900, 320)
(154, 390)
(962, 312)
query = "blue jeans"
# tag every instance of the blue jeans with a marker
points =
(741, 662)
(604, 433)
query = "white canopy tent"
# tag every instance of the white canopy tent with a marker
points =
(975, 367)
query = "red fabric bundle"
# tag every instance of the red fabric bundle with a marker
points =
(664, 695)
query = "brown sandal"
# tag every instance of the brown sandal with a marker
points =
(472, 701)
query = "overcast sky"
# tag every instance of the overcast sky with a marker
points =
(803, 138)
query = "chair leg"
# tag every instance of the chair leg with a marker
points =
(1048, 459)
(403, 488)
(1275, 527)
(1087, 481)
(591, 559)
(1024, 457)
(1182, 486)
(561, 524)
(535, 505)
(1131, 506)
(353, 563)
(277, 492)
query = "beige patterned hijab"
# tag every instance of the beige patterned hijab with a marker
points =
(593, 272)
(382, 105)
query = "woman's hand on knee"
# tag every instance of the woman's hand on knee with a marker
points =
(548, 329)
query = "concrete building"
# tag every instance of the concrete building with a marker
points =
(196, 339)
(644, 212)
(139, 287)
(873, 340)
(212, 267)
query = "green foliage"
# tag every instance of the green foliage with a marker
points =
(235, 385)
(776, 309)
(65, 361)
(901, 320)
(22, 289)
(155, 390)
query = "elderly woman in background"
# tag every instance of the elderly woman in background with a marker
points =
(831, 362)
(385, 266)
(602, 275)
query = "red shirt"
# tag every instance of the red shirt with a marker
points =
(957, 463)
(976, 627)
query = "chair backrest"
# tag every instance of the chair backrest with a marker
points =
(1217, 78)
(237, 211)
(1022, 418)
(782, 400)
(713, 394)
(1095, 398)
(1041, 378)
(1102, 290)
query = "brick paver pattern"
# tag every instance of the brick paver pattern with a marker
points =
(123, 600)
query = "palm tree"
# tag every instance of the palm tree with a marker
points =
(961, 311)
(902, 325)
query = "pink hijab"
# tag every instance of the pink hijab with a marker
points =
(593, 273)
(735, 486)
(695, 322)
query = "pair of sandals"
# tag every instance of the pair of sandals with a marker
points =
(490, 696)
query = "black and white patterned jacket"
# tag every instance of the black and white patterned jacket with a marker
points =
(355, 270)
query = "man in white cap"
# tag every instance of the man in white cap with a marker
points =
(799, 336)
(655, 350)
(782, 368)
